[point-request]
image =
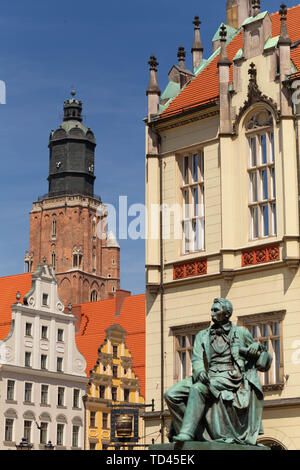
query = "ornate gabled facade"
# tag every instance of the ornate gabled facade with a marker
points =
(222, 160)
(42, 373)
(112, 339)
(112, 382)
(65, 224)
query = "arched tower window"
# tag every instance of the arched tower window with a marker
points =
(53, 260)
(94, 259)
(261, 173)
(54, 228)
(94, 296)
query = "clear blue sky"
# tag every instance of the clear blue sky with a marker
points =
(103, 49)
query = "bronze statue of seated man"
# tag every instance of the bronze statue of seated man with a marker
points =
(223, 400)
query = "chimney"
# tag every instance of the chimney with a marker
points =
(197, 49)
(237, 12)
(153, 91)
(181, 57)
(224, 65)
(120, 299)
(284, 45)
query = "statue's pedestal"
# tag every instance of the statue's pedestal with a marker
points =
(193, 445)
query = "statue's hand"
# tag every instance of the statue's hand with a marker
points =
(253, 350)
(203, 377)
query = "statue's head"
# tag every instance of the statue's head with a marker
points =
(221, 310)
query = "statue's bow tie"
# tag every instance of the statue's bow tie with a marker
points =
(220, 330)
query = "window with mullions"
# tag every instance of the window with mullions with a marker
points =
(266, 328)
(261, 172)
(193, 202)
(184, 337)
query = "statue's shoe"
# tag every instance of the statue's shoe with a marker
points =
(182, 438)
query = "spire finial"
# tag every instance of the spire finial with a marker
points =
(252, 72)
(197, 48)
(224, 60)
(153, 63)
(197, 22)
(153, 87)
(223, 33)
(284, 38)
(73, 91)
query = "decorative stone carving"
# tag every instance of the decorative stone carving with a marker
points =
(255, 96)
(259, 255)
(190, 268)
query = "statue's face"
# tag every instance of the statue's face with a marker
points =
(218, 315)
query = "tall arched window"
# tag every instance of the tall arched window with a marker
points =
(94, 296)
(261, 171)
(53, 260)
(54, 228)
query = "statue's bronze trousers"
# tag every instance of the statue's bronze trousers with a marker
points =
(186, 402)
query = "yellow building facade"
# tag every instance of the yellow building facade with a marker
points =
(222, 162)
(112, 382)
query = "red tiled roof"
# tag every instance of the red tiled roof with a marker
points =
(205, 87)
(9, 286)
(98, 316)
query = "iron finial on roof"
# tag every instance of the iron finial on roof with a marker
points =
(223, 33)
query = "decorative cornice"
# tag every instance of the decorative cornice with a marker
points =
(277, 315)
(191, 327)
(255, 96)
(188, 120)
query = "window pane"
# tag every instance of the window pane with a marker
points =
(10, 389)
(185, 170)
(27, 431)
(276, 328)
(264, 184)
(276, 359)
(185, 204)
(9, 430)
(195, 168)
(264, 330)
(252, 145)
(60, 434)
(274, 219)
(183, 364)
(265, 220)
(201, 164)
(253, 187)
(273, 184)
(195, 193)
(43, 433)
(254, 222)
(263, 148)
(254, 331)
(272, 151)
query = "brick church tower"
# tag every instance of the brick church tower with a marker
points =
(63, 222)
